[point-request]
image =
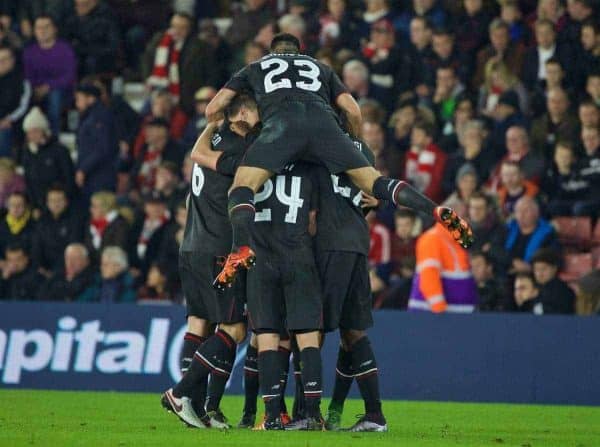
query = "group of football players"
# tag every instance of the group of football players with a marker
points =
(283, 188)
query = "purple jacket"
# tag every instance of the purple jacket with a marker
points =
(54, 66)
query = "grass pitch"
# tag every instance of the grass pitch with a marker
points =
(53, 418)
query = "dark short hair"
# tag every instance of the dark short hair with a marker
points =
(554, 60)
(45, 17)
(56, 187)
(547, 256)
(287, 40)
(477, 195)
(169, 166)
(158, 122)
(443, 31)
(591, 23)
(405, 213)
(239, 101)
(565, 144)
(527, 275)
(485, 255)
(20, 194)
(17, 246)
(426, 127)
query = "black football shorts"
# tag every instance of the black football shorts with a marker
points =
(304, 130)
(197, 271)
(284, 292)
(347, 300)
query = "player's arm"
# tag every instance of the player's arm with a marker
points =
(215, 108)
(351, 110)
(202, 153)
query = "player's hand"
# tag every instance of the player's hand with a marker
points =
(368, 201)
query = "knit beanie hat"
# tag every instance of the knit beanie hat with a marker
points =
(36, 119)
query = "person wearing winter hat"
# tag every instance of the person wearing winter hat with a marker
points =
(45, 161)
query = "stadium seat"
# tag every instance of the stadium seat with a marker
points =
(574, 231)
(576, 265)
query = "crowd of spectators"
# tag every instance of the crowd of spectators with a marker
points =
(489, 106)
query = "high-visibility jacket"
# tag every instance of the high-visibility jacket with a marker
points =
(443, 281)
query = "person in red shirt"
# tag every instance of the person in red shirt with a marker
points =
(425, 162)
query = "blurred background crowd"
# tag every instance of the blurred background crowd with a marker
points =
(489, 106)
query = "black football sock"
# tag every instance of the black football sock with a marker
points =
(285, 365)
(403, 194)
(269, 375)
(213, 356)
(191, 342)
(311, 379)
(366, 375)
(220, 376)
(250, 380)
(298, 408)
(343, 380)
(241, 214)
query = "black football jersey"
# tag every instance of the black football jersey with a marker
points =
(277, 78)
(341, 224)
(283, 205)
(207, 227)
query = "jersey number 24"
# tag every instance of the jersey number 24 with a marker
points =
(277, 67)
(292, 200)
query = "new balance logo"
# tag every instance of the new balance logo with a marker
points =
(275, 387)
(368, 362)
(311, 384)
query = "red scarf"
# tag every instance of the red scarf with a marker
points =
(98, 227)
(165, 72)
(150, 227)
(147, 173)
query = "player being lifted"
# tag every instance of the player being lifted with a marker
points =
(295, 94)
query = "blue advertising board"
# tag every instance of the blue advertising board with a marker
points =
(480, 357)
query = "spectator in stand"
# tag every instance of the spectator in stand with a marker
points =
(247, 22)
(18, 226)
(158, 285)
(10, 181)
(97, 146)
(51, 69)
(380, 248)
(432, 10)
(592, 86)
(555, 297)
(338, 29)
(176, 61)
(555, 125)
(422, 54)
(490, 288)
(579, 11)
(44, 160)
(517, 149)
(555, 76)
(148, 232)
(14, 100)
(527, 293)
(296, 26)
(386, 158)
(197, 123)
(425, 162)
(20, 281)
(401, 123)
(500, 49)
(403, 239)
(158, 148)
(106, 227)
(60, 226)
(589, 172)
(526, 234)
(511, 14)
(389, 66)
(506, 115)
(116, 285)
(484, 221)
(588, 58)
(355, 75)
(534, 65)
(443, 282)
(472, 29)
(463, 113)
(164, 107)
(588, 294)
(498, 80)
(589, 114)
(213, 49)
(254, 51)
(173, 238)
(562, 185)
(445, 53)
(76, 281)
(513, 186)
(552, 10)
(29, 10)
(169, 186)
(466, 185)
(448, 91)
(472, 138)
(94, 34)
